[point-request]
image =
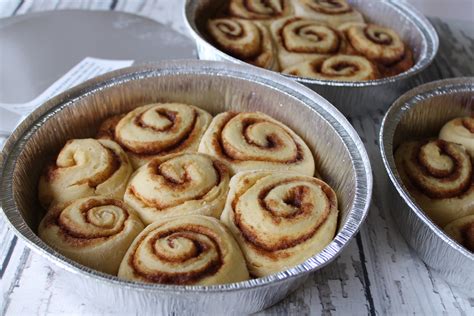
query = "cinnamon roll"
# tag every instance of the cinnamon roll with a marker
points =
(279, 219)
(377, 43)
(260, 9)
(246, 40)
(460, 131)
(439, 176)
(184, 250)
(93, 231)
(338, 67)
(157, 130)
(332, 12)
(462, 230)
(178, 185)
(255, 141)
(85, 167)
(299, 39)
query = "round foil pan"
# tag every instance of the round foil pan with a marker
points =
(351, 98)
(420, 113)
(215, 87)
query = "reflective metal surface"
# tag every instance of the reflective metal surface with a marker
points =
(31, 60)
(420, 113)
(216, 87)
(351, 98)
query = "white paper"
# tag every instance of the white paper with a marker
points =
(12, 114)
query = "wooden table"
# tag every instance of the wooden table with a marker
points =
(377, 273)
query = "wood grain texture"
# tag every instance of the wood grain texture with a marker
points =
(377, 273)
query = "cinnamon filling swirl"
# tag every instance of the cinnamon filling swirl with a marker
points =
(178, 185)
(338, 67)
(307, 36)
(440, 169)
(182, 250)
(196, 243)
(279, 219)
(259, 9)
(94, 231)
(377, 43)
(157, 129)
(85, 167)
(245, 40)
(332, 7)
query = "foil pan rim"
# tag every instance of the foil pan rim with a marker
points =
(389, 124)
(312, 100)
(429, 34)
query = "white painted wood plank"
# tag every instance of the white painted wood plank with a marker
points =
(7, 8)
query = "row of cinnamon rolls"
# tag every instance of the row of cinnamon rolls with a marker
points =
(318, 39)
(168, 194)
(438, 173)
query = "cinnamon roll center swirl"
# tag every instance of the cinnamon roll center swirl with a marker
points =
(377, 43)
(83, 162)
(257, 139)
(241, 38)
(378, 36)
(175, 181)
(269, 8)
(178, 255)
(440, 169)
(306, 36)
(156, 128)
(93, 219)
(281, 215)
(333, 7)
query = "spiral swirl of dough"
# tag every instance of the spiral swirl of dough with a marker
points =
(260, 9)
(247, 40)
(462, 230)
(279, 219)
(254, 141)
(331, 12)
(85, 167)
(94, 231)
(178, 185)
(157, 130)
(377, 43)
(438, 174)
(185, 250)
(460, 131)
(338, 67)
(301, 39)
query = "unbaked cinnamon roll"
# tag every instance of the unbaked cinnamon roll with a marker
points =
(377, 43)
(255, 141)
(300, 39)
(260, 9)
(94, 231)
(279, 219)
(460, 131)
(157, 130)
(185, 250)
(246, 40)
(462, 230)
(178, 185)
(332, 12)
(439, 176)
(85, 167)
(338, 67)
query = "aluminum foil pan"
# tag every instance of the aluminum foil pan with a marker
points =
(216, 87)
(420, 113)
(351, 98)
